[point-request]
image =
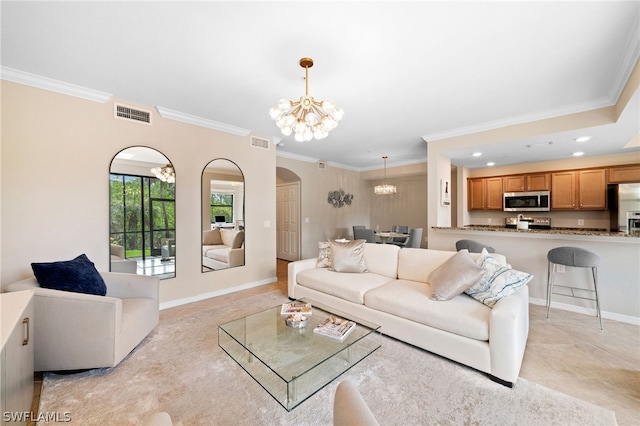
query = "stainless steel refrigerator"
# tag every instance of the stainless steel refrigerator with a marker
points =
(623, 198)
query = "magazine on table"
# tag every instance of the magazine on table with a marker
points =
(296, 308)
(336, 328)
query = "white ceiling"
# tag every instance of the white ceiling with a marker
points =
(404, 72)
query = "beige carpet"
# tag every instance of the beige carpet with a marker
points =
(180, 369)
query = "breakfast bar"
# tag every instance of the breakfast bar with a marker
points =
(618, 273)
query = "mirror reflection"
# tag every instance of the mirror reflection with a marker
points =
(142, 213)
(222, 216)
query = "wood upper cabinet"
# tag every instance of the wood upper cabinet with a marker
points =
(592, 189)
(563, 190)
(484, 193)
(533, 182)
(579, 189)
(624, 174)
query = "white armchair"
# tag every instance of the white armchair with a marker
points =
(77, 331)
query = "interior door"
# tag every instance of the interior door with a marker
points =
(288, 221)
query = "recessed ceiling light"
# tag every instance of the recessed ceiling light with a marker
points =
(477, 154)
(491, 163)
(578, 154)
(583, 138)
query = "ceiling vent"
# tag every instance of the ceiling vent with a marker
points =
(127, 113)
(259, 142)
(322, 165)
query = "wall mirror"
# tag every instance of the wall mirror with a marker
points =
(142, 213)
(222, 216)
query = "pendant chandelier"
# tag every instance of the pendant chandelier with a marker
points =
(384, 189)
(307, 117)
(165, 174)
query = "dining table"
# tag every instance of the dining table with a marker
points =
(386, 236)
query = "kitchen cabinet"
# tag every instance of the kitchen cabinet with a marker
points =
(531, 182)
(17, 356)
(592, 189)
(484, 193)
(624, 174)
(579, 190)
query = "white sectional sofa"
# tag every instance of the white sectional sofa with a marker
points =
(395, 293)
(222, 248)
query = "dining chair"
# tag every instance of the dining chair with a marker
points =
(357, 227)
(402, 229)
(364, 234)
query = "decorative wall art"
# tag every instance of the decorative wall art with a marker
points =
(445, 200)
(339, 198)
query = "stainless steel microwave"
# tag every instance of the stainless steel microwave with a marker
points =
(532, 201)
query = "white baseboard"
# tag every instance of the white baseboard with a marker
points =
(587, 311)
(204, 296)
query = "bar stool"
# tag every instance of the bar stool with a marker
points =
(577, 258)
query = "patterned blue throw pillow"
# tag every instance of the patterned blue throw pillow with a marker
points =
(498, 281)
(78, 275)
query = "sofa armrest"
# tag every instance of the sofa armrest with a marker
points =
(508, 333)
(236, 257)
(294, 268)
(127, 286)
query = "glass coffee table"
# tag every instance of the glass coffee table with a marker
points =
(294, 363)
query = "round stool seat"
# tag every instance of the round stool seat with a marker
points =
(578, 258)
(573, 256)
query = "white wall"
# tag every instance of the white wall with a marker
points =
(56, 151)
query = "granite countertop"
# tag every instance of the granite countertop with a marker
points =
(560, 231)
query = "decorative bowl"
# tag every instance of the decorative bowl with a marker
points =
(296, 321)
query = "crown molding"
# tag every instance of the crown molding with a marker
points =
(202, 122)
(521, 119)
(627, 63)
(306, 159)
(52, 85)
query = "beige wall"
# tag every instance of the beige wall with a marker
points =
(319, 219)
(407, 207)
(56, 151)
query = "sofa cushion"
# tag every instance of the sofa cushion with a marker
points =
(212, 237)
(78, 275)
(497, 282)
(351, 287)
(461, 315)
(348, 256)
(324, 255)
(220, 254)
(416, 264)
(382, 259)
(454, 276)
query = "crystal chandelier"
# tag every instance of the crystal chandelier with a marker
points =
(307, 118)
(384, 189)
(165, 174)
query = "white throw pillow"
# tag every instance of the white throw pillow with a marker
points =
(497, 282)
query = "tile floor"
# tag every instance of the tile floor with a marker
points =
(568, 353)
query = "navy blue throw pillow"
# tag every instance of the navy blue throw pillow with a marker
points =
(78, 275)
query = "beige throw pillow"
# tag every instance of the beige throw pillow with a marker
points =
(211, 238)
(454, 276)
(348, 256)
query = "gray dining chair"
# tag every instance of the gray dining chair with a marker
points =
(400, 229)
(414, 239)
(364, 234)
(357, 227)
